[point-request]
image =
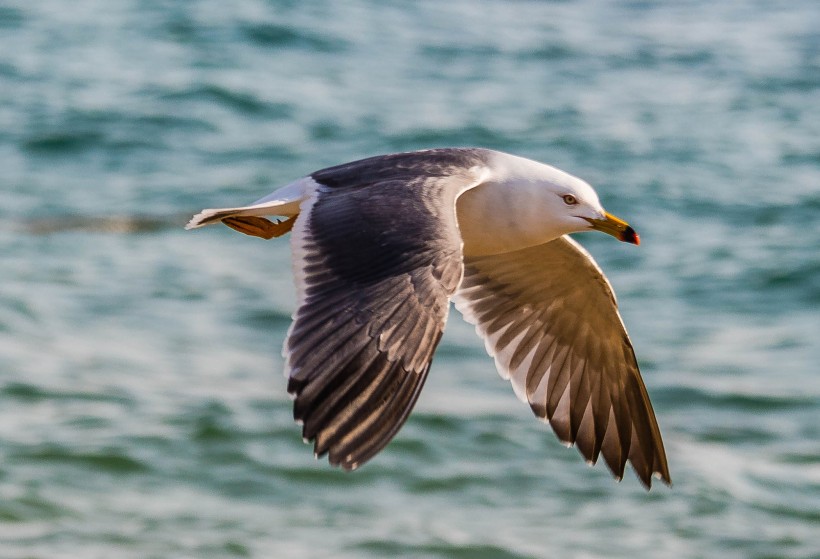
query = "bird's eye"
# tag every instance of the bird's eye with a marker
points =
(569, 199)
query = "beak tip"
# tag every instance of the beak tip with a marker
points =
(630, 236)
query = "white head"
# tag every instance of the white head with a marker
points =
(526, 203)
(575, 205)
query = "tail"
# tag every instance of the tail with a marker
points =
(283, 202)
(209, 216)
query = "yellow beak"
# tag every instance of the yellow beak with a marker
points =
(616, 227)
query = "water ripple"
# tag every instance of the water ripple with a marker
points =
(142, 408)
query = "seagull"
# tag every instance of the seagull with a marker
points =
(380, 247)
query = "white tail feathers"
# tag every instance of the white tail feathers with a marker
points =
(283, 202)
(207, 217)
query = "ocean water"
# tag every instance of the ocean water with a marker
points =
(143, 413)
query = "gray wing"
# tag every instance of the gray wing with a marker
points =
(377, 255)
(549, 317)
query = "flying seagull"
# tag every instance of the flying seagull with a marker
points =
(380, 247)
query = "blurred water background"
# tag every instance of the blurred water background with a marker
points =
(143, 413)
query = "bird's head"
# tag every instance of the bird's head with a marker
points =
(578, 205)
(525, 203)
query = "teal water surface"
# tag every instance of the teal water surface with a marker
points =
(143, 413)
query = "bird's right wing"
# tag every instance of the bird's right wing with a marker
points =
(549, 317)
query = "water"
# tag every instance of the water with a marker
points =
(142, 408)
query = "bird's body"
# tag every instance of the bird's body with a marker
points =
(380, 247)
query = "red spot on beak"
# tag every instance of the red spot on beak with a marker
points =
(630, 236)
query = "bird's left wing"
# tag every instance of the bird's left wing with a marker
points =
(549, 317)
(376, 257)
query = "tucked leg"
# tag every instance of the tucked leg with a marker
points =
(259, 226)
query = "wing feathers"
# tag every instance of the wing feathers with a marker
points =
(559, 379)
(579, 395)
(376, 260)
(330, 399)
(548, 315)
(612, 449)
(357, 410)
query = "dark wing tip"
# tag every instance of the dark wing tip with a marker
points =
(646, 478)
(642, 448)
(648, 459)
(353, 420)
(662, 473)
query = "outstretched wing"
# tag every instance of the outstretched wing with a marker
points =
(377, 255)
(549, 317)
